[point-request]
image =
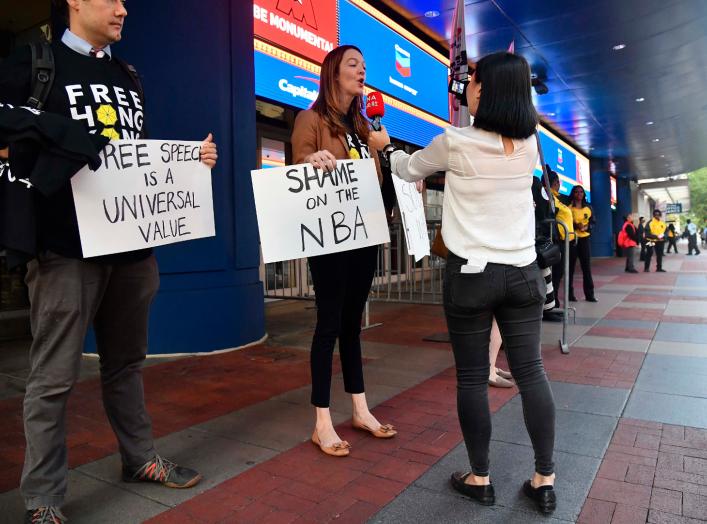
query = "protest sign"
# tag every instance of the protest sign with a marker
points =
(146, 193)
(412, 211)
(303, 211)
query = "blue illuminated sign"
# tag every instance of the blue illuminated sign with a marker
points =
(283, 82)
(393, 64)
(572, 167)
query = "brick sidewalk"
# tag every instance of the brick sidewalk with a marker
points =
(651, 473)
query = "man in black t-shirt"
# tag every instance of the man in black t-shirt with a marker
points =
(68, 292)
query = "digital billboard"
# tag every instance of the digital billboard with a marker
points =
(571, 165)
(284, 82)
(395, 65)
(614, 199)
(305, 27)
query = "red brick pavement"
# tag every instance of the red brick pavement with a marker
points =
(653, 473)
(225, 383)
(303, 485)
(607, 331)
(596, 367)
(627, 313)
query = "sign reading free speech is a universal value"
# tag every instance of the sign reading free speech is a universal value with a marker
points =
(145, 193)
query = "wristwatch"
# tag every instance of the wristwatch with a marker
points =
(387, 151)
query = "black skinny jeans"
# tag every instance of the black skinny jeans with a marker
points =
(583, 251)
(341, 285)
(515, 296)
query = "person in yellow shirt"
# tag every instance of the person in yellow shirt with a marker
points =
(655, 241)
(564, 215)
(582, 219)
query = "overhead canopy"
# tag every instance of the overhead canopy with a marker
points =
(646, 101)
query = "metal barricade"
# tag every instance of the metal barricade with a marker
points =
(564, 345)
(398, 278)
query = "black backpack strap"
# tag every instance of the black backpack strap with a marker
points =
(133, 74)
(43, 73)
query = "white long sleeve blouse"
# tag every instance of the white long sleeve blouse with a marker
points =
(487, 212)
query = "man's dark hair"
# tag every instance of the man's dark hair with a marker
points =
(641, 219)
(688, 220)
(62, 8)
(506, 105)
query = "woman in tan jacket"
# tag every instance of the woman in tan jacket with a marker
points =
(335, 129)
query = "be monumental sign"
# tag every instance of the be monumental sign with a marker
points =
(306, 27)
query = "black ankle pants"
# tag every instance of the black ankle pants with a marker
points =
(582, 251)
(342, 282)
(515, 297)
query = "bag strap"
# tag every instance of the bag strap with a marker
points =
(133, 74)
(130, 70)
(546, 179)
(43, 73)
(546, 183)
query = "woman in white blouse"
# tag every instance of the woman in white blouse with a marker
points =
(489, 227)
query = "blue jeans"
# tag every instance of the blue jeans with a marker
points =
(515, 296)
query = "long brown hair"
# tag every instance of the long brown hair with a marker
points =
(326, 103)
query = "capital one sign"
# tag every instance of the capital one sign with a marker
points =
(305, 27)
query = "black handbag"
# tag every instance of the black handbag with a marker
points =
(548, 253)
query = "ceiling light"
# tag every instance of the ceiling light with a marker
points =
(619, 47)
(662, 156)
(432, 14)
(551, 114)
(640, 99)
(656, 140)
(649, 123)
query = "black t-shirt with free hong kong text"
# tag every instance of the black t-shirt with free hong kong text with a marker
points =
(100, 94)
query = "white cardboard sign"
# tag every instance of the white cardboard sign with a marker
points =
(412, 211)
(303, 211)
(146, 193)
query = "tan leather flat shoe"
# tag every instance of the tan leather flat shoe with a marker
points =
(503, 373)
(384, 431)
(500, 382)
(338, 449)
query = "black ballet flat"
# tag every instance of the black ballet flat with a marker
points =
(543, 496)
(484, 495)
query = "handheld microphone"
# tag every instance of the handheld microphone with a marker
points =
(375, 109)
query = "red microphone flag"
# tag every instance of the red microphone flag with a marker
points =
(375, 109)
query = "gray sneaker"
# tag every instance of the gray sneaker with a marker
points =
(44, 515)
(163, 472)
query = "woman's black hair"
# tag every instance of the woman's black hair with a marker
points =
(584, 196)
(506, 105)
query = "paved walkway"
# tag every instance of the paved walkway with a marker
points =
(631, 424)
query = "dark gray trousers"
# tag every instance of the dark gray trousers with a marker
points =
(630, 258)
(66, 296)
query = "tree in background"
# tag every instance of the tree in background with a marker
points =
(698, 196)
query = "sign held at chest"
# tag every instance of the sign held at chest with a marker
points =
(304, 211)
(146, 193)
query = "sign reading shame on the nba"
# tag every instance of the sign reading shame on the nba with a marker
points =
(146, 193)
(304, 211)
